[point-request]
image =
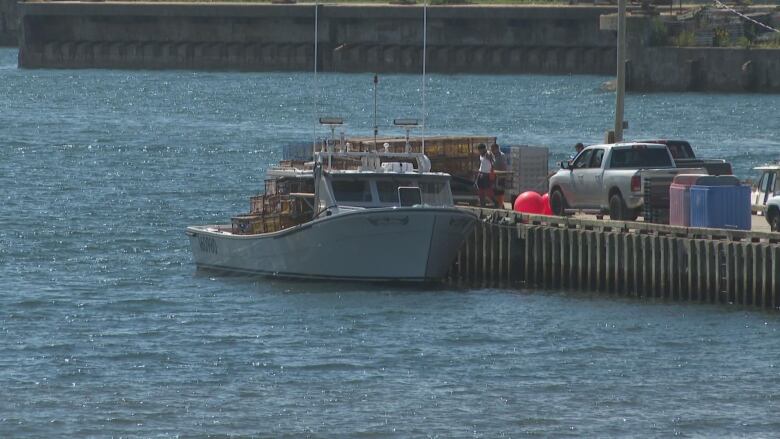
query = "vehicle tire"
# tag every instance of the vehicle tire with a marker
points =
(617, 209)
(773, 218)
(557, 203)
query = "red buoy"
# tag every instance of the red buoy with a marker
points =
(546, 209)
(529, 202)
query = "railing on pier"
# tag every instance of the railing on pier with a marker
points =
(622, 258)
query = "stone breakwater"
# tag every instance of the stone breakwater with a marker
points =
(380, 38)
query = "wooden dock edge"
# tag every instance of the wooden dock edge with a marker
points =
(631, 259)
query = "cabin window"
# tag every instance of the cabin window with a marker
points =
(409, 196)
(767, 183)
(435, 193)
(598, 156)
(351, 190)
(388, 190)
(583, 160)
(640, 157)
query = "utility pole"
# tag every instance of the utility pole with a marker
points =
(376, 126)
(621, 70)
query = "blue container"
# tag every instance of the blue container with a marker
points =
(680, 194)
(721, 207)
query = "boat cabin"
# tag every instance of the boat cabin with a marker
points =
(366, 190)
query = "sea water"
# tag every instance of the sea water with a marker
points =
(108, 330)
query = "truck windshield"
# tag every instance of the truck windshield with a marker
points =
(636, 158)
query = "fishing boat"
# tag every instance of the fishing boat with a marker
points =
(352, 213)
(372, 216)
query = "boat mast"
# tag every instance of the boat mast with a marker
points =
(316, 89)
(425, 43)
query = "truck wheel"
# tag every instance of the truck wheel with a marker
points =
(617, 209)
(774, 220)
(557, 203)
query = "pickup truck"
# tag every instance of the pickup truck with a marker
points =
(684, 157)
(766, 195)
(767, 184)
(609, 178)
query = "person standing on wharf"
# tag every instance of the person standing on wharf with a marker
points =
(484, 185)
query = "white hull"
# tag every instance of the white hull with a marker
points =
(387, 244)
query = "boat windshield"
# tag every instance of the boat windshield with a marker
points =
(352, 191)
(388, 189)
(436, 193)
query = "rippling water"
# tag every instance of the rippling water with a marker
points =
(106, 329)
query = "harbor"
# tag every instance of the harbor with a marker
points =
(108, 328)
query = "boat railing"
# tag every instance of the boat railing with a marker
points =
(372, 160)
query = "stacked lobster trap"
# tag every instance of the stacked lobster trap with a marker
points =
(286, 202)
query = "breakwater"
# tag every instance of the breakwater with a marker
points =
(704, 69)
(380, 38)
(653, 66)
(627, 259)
(373, 38)
(9, 19)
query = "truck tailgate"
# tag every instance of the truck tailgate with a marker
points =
(655, 191)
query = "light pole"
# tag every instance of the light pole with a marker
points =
(621, 70)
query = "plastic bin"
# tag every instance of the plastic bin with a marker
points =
(720, 207)
(680, 196)
(680, 199)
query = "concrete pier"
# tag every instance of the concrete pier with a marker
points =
(630, 259)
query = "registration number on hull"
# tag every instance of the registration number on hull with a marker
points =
(207, 244)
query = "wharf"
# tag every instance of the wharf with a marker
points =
(622, 258)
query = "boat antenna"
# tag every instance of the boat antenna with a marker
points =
(425, 43)
(316, 85)
(376, 127)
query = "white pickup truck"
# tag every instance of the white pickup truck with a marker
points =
(766, 195)
(609, 178)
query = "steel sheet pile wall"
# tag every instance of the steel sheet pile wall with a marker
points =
(624, 259)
